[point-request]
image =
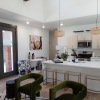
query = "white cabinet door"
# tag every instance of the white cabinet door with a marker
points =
(72, 41)
(98, 41)
(84, 37)
(80, 37)
(69, 41)
(88, 37)
(94, 41)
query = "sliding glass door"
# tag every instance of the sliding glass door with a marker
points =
(8, 50)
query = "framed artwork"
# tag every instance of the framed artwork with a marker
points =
(35, 42)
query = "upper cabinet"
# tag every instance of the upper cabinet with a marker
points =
(72, 41)
(88, 37)
(94, 41)
(84, 37)
(98, 41)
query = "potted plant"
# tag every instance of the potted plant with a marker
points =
(64, 56)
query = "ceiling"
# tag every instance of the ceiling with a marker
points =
(7, 15)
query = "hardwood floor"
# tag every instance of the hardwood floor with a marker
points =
(45, 90)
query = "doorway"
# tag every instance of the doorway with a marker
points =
(8, 50)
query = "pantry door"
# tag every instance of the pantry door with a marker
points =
(8, 50)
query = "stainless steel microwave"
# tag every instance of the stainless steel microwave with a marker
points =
(85, 44)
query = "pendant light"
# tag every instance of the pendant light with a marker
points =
(59, 32)
(95, 30)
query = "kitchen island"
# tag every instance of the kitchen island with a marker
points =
(84, 67)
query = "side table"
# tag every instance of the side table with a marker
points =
(10, 89)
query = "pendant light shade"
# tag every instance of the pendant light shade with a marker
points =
(59, 32)
(95, 30)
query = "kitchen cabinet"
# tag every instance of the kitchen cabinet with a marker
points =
(69, 41)
(72, 41)
(95, 41)
(88, 37)
(82, 37)
(98, 41)
(96, 59)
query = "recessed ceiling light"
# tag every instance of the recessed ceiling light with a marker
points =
(27, 22)
(43, 26)
(3, 31)
(61, 24)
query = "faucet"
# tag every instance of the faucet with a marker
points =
(74, 54)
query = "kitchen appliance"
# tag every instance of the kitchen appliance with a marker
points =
(84, 55)
(85, 44)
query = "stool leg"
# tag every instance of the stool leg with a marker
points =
(5, 98)
(43, 75)
(64, 80)
(80, 78)
(86, 81)
(46, 76)
(68, 77)
(53, 78)
(64, 76)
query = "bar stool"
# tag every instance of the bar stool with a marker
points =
(58, 75)
(77, 74)
(48, 71)
(89, 79)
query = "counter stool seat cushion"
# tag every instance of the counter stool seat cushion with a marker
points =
(26, 89)
(65, 97)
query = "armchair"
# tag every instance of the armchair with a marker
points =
(79, 91)
(24, 67)
(30, 89)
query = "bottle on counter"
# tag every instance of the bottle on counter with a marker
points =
(33, 56)
(29, 55)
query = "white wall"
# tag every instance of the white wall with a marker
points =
(32, 9)
(23, 40)
(70, 8)
(62, 41)
(48, 9)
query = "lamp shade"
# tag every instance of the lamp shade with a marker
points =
(95, 30)
(59, 33)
